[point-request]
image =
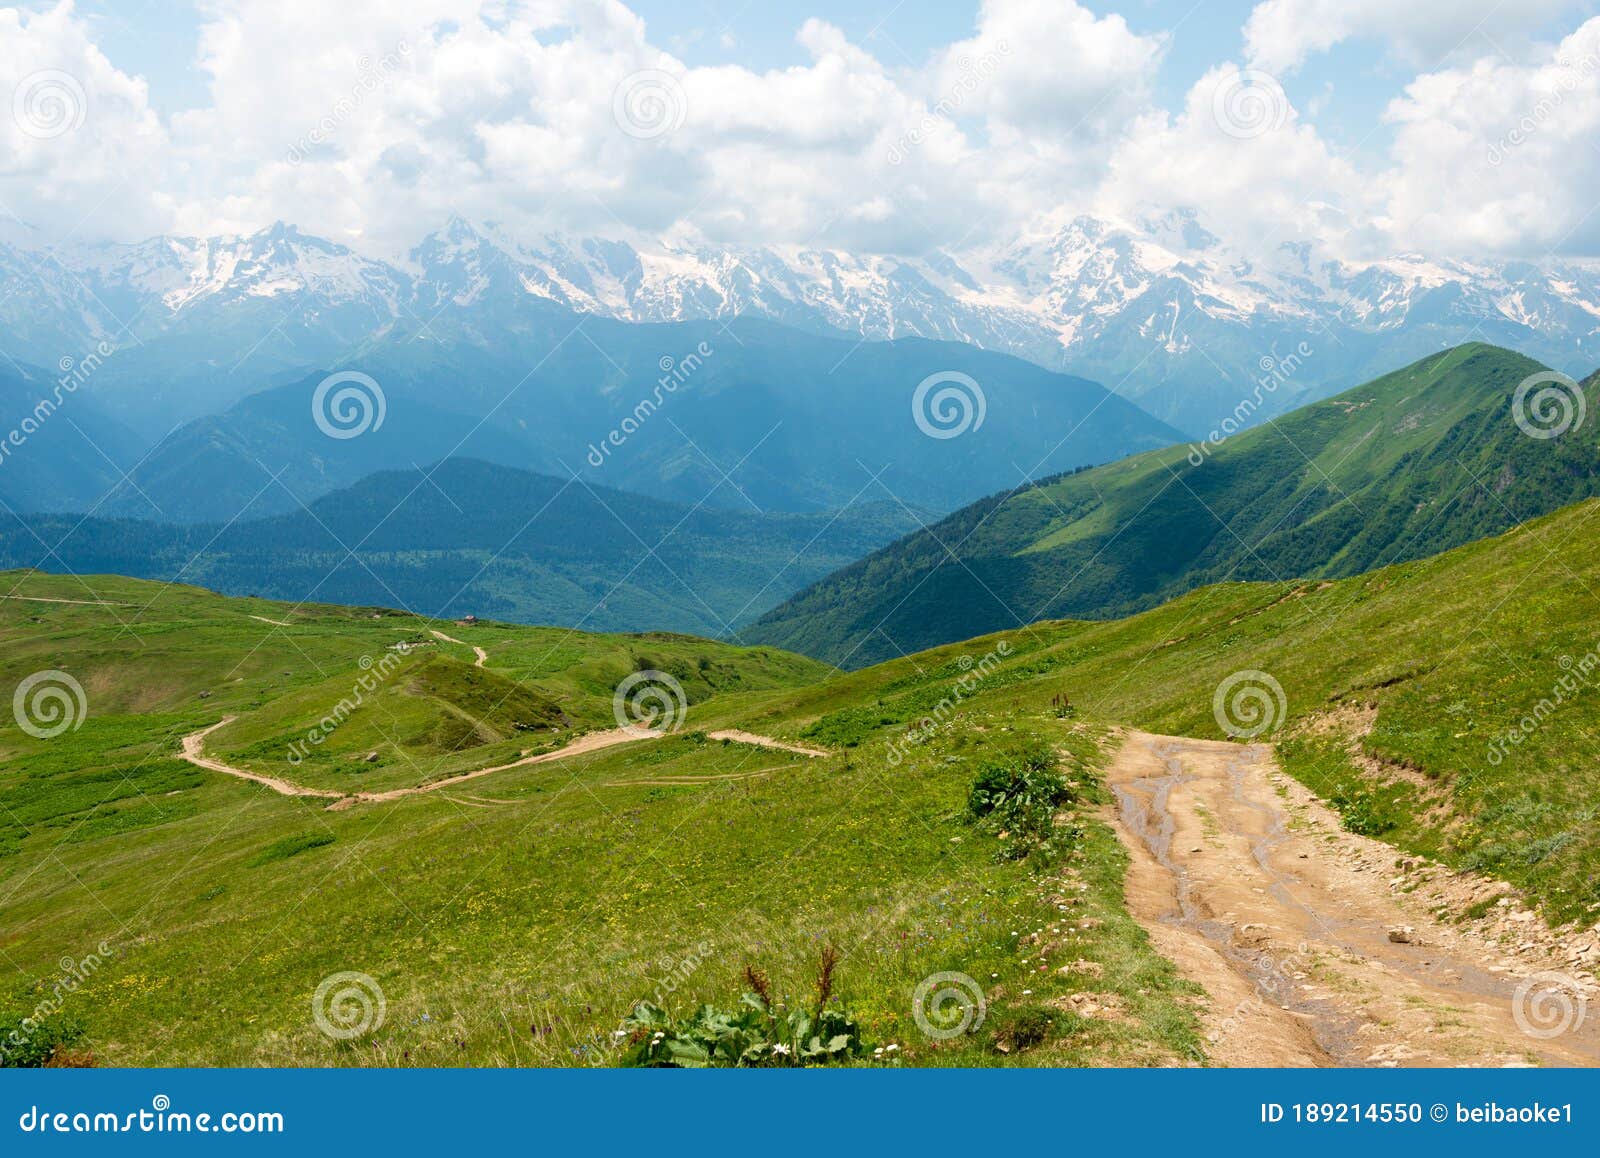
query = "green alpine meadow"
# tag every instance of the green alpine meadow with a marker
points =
(1037, 561)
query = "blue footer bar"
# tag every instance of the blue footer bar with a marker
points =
(317, 1111)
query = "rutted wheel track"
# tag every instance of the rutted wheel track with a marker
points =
(1253, 889)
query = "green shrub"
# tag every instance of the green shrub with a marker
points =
(756, 1034)
(1017, 797)
(32, 1046)
(1363, 812)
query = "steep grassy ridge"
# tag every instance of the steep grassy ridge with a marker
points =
(1419, 461)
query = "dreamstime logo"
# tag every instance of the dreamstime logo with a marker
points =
(1568, 80)
(367, 682)
(675, 372)
(941, 714)
(370, 78)
(971, 76)
(947, 1005)
(1275, 371)
(649, 701)
(347, 1005)
(74, 373)
(1556, 407)
(649, 103)
(74, 975)
(49, 703)
(1249, 103)
(1248, 704)
(951, 411)
(1548, 1005)
(48, 104)
(348, 404)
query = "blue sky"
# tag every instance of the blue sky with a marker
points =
(1351, 84)
(1451, 126)
(159, 40)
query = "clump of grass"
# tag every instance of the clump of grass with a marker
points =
(290, 846)
(1023, 1028)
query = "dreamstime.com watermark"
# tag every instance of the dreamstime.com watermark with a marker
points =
(1548, 404)
(675, 372)
(348, 404)
(940, 716)
(1567, 81)
(160, 1118)
(370, 78)
(948, 404)
(971, 75)
(1576, 676)
(1248, 704)
(947, 1005)
(48, 703)
(74, 373)
(649, 701)
(372, 676)
(348, 1004)
(1547, 1005)
(1275, 371)
(1276, 980)
(676, 972)
(73, 975)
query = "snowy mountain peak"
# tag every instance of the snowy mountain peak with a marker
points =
(1157, 308)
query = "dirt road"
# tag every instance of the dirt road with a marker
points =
(1250, 885)
(739, 737)
(194, 752)
(483, 656)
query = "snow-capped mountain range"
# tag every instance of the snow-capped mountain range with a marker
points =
(1160, 312)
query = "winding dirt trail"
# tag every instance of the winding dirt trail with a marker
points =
(739, 737)
(483, 656)
(194, 752)
(1249, 884)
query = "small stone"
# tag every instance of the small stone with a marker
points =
(1401, 934)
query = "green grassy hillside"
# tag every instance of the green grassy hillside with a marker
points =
(1450, 705)
(1414, 463)
(518, 918)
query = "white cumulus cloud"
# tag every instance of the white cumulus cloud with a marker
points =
(1281, 34)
